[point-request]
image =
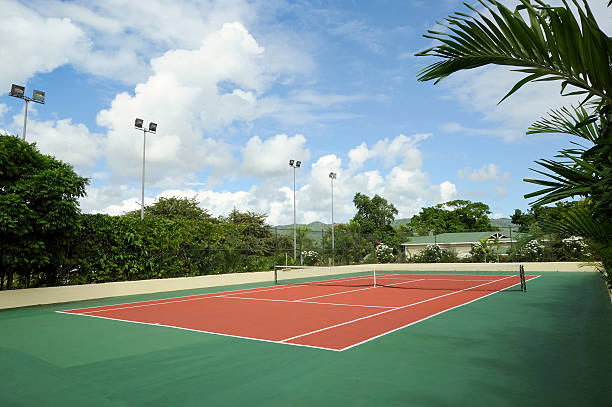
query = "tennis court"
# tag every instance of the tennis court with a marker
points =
(495, 346)
(334, 314)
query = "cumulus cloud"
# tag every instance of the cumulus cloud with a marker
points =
(186, 101)
(404, 184)
(72, 143)
(486, 173)
(44, 43)
(389, 152)
(270, 157)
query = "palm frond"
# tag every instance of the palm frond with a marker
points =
(574, 121)
(552, 45)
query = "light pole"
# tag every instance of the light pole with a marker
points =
(152, 129)
(38, 96)
(294, 164)
(332, 177)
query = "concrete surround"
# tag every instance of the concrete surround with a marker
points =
(52, 295)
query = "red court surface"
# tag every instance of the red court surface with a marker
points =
(336, 317)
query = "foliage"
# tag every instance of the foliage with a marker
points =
(310, 257)
(384, 253)
(481, 251)
(38, 212)
(430, 254)
(552, 45)
(532, 251)
(539, 215)
(374, 216)
(174, 208)
(351, 246)
(453, 216)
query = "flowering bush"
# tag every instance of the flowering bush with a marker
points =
(532, 251)
(481, 251)
(573, 248)
(310, 257)
(431, 254)
(384, 253)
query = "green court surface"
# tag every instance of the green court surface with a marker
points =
(547, 347)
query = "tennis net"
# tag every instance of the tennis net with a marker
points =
(331, 276)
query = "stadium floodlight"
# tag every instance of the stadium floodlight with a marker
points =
(295, 164)
(38, 96)
(17, 91)
(138, 125)
(332, 177)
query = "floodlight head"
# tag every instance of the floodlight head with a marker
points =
(291, 163)
(138, 123)
(332, 175)
(152, 127)
(38, 96)
(17, 91)
(298, 163)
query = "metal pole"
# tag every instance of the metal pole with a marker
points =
(332, 208)
(25, 119)
(144, 144)
(294, 226)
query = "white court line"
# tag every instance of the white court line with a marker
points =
(196, 297)
(351, 291)
(306, 302)
(162, 301)
(391, 310)
(197, 330)
(430, 316)
(280, 342)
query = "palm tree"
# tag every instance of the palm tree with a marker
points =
(549, 44)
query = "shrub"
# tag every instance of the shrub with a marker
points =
(384, 253)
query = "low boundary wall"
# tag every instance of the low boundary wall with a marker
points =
(51, 295)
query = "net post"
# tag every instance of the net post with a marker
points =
(374, 273)
(275, 276)
(524, 280)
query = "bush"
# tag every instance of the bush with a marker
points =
(310, 257)
(384, 253)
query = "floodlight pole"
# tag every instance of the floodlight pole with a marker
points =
(295, 164)
(294, 223)
(19, 92)
(152, 129)
(332, 176)
(144, 149)
(25, 118)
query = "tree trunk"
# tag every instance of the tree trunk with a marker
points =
(9, 280)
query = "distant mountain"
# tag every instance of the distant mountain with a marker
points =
(317, 226)
(503, 223)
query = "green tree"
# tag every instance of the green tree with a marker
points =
(551, 45)
(39, 212)
(374, 216)
(174, 208)
(453, 216)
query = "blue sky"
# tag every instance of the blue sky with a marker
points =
(240, 87)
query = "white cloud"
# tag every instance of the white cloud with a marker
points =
(448, 191)
(404, 184)
(486, 173)
(71, 143)
(39, 44)
(500, 192)
(186, 100)
(3, 110)
(389, 152)
(270, 158)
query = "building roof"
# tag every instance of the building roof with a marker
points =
(460, 237)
